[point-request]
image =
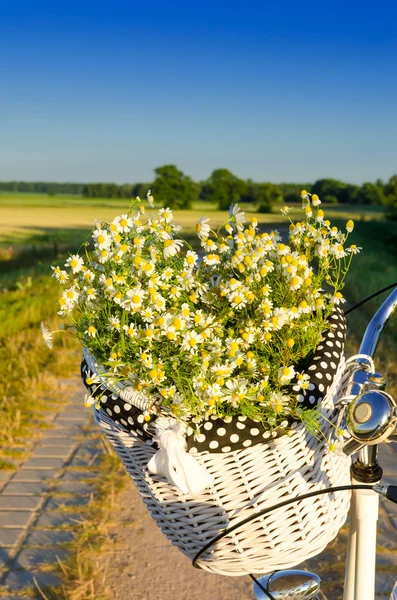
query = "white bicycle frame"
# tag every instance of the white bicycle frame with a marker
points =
(361, 551)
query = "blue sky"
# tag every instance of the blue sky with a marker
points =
(107, 91)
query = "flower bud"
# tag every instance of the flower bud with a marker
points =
(350, 226)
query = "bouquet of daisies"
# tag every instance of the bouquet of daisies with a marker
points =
(221, 329)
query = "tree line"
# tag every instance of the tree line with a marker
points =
(177, 190)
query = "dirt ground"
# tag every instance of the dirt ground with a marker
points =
(145, 566)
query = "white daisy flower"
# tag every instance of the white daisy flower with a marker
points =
(60, 275)
(133, 299)
(202, 227)
(150, 198)
(338, 250)
(89, 400)
(167, 273)
(305, 195)
(165, 214)
(104, 255)
(316, 200)
(236, 216)
(171, 248)
(209, 245)
(115, 323)
(102, 239)
(302, 382)
(279, 402)
(353, 249)
(304, 307)
(124, 223)
(338, 298)
(211, 259)
(285, 374)
(70, 296)
(295, 283)
(238, 300)
(91, 331)
(91, 378)
(147, 315)
(190, 259)
(75, 262)
(46, 335)
(191, 340)
(130, 330)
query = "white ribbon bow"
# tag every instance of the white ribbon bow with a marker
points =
(176, 465)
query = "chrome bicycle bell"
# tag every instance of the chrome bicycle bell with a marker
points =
(372, 417)
(289, 585)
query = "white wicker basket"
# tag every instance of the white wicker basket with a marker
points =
(246, 481)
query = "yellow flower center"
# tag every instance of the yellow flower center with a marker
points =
(100, 239)
(73, 263)
(168, 243)
(136, 299)
(123, 222)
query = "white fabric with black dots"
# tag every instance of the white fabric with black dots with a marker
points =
(234, 433)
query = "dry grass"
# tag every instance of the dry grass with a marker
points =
(84, 572)
(28, 370)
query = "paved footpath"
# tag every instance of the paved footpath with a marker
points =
(33, 523)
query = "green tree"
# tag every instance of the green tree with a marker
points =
(292, 191)
(262, 194)
(330, 188)
(370, 193)
(390, 195)
(223, 188)
(173, 188)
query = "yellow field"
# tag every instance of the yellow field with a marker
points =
(27, 218)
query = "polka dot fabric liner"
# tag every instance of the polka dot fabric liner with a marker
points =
(234, 433)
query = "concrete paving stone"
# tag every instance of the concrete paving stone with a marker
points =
(84, 462)
(37, 487)
(4, 557)
(9, 537)
(73, 487)
(48, 538)
(34, 474)
(71, 414)
(19, 502)
(386, 559)
(15, 518)
(31, 558)
(78, 475)
(60, 441)
(384, 583)
(63, 421)
(43, 463)
(17, 580)
(85, 451)
(57, 519)
(6, 474)
(53, 452)
(57, 501)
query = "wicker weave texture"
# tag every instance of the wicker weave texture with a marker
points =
(247, 481)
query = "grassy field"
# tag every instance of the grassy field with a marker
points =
(38, 228)
(27, 219)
